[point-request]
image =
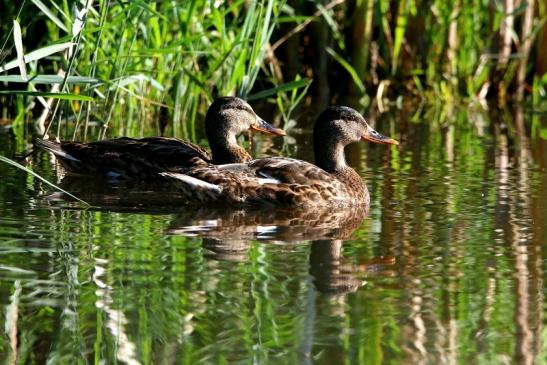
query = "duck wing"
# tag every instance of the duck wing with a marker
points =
(128, 157)
(289, 171)
(270, 181)
(172, 154)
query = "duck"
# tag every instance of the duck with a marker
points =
(143, 158)
(283, 181)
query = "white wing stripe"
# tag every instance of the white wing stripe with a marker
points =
(192, 181)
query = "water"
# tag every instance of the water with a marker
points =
(449, 266)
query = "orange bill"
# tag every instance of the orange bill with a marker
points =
(266, 128)
(373, 136)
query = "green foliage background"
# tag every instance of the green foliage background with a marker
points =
(126, 67)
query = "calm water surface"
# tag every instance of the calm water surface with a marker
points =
(448, 267)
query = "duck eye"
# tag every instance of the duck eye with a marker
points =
(245, 108)
(248, 109)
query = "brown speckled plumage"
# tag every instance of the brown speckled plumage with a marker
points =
(147, 157)
(287, 181)
(282, 224)
(127, 156)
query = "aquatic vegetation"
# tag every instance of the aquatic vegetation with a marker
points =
(129, 66)
(132, 68)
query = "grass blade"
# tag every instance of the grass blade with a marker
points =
(37, 54)
(19, 166)
(61, 96)
(18, 40)
(400, 27)
(128, 80)
(280, 88)
(49, 14)
(50, 79)
(348, 68)
(336, 34)
(78, 24)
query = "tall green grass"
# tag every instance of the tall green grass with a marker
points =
(123, 68)
(126, 67)
(448, 49)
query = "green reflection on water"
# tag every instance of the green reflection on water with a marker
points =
(449, 266)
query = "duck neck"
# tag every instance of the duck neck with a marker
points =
(329, 155)
(224, 147)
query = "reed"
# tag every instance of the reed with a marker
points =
(132, 68)
(448, 50)
(125, 68)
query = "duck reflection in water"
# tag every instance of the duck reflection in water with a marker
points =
(227, 233)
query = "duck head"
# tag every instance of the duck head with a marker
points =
(337, 127)
(228, 117)
(232, 116)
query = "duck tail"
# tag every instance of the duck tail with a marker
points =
(50, 146)
(54, 147)
(195, 189)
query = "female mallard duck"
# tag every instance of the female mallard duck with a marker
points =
(147, 157)
(286, 181)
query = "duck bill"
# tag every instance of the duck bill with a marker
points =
(372, 136)
(266, 128)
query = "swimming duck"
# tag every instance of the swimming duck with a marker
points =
(287, 181)
(147, 157)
